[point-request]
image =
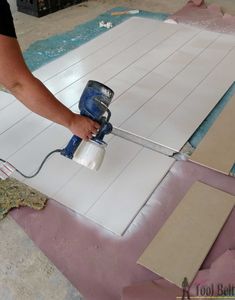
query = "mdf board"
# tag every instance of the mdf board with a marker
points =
(217, 149)
(181, 245)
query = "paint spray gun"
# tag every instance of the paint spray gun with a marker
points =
(94, 103)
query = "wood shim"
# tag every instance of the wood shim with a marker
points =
(217, 149)
(181, 245)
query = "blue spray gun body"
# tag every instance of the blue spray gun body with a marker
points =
(94, 103)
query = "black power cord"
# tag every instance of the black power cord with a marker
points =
(40, 167)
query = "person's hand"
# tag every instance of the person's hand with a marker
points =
(83, 127)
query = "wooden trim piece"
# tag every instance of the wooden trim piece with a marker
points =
(181, 245)
(217, 149)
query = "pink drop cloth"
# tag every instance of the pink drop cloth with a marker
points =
(101, 264)
(211, 17)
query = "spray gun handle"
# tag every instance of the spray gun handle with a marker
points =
(106, 128)
(72, 146)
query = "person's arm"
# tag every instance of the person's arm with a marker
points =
(16, 77)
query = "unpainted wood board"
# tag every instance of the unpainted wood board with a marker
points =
(181, 245)
(217, 149)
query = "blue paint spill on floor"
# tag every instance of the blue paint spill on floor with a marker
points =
(44, 51)
(208, 122)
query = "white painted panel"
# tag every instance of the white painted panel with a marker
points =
(29, 157)
(11, 115)
(101, 56)
(135, 98)
(59, 167)
(125, 65)
(126, 70)
(189, 115)
(74, 56)
(5, 99)
(120, 203)
(21, 133)
(83, 190)
(159, 54)
(135, 74)
(167, 63)
(173, 94)
(139, 49)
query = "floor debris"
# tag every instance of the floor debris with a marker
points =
(16, 194)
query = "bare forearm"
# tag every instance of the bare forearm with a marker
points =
(33, 94)
(16, 77)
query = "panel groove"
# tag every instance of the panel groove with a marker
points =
(57, 64)
(8, 118)
(113, 38)
(97, 61)
(102, 65)
(162, 87)
(5, 101)
(153, 134)
(229, 51)
(115, 179)
(148, 72)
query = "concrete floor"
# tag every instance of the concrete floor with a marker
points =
(25, 271)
